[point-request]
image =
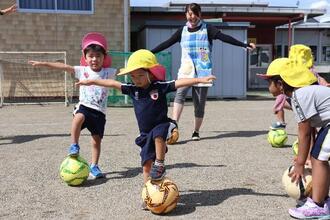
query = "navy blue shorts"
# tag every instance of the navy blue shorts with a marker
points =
(94, 120)
(321, 148)
(147, 141)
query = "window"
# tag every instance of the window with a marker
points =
(286, 51)
(278, 51)
(314, 52)
(57, 6)
(325, 54)
(261, 56)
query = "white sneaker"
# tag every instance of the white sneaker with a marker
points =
(310, 210)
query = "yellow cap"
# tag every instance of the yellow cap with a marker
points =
(274, 68)
(297, 75)
(144, 59)
(302, 55)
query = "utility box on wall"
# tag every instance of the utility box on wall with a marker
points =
(229, 61)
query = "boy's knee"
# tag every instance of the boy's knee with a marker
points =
(159, 140)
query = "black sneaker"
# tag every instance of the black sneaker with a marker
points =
(157, 172)
(195, 136)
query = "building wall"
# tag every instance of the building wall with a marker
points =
(62, 32)
(317, 39)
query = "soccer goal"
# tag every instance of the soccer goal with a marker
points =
(20, 82)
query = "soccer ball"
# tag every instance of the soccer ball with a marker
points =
(303, 189)
(74, 170)
(160, 196)
(295, 147)
(277, 138)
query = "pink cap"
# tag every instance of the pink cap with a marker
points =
(94, 38)
(98, 39)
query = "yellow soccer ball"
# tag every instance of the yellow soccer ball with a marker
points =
(303, 189)
(74, 170)
(295, 147)
(277, 138)
(161, 196)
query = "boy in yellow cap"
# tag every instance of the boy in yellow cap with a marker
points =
(148, 93)
(311, 106)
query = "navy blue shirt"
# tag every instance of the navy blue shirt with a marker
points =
(150, 105)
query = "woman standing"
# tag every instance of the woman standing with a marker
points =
(196, 47)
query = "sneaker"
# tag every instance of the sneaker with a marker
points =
(144, 206)
(278, 125)
(157, 172)
(310, 210)
(95, 171)
(195, 136)
(74, 150)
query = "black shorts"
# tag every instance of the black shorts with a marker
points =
(94, 120)
(147, 141)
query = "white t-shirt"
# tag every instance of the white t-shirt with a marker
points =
(95, 97)
(312, 102)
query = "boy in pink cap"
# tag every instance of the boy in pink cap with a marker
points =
(148, 93)
(90, 112)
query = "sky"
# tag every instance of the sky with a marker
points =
(304, 4)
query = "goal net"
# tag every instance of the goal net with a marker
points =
(20, 82)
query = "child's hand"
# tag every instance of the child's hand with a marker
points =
(297, 173)
(207, 79)
(86, 82)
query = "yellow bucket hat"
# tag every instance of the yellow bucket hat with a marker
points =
(302, 55)
(297, 75)
(274, 68)
(144, 59)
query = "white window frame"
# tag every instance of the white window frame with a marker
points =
(56, 11)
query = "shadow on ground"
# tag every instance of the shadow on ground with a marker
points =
(191, 199)
(20, 139)
(135, 171)
(229, 134)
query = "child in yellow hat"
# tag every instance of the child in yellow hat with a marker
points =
(148, 93)
(311, 106)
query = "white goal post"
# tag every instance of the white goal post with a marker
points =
(20, 82)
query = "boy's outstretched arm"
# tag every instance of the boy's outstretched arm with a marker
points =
(11, 9)
(101, 82)
(60, 66)
(189, 82)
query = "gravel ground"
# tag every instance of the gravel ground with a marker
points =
(232, 173)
